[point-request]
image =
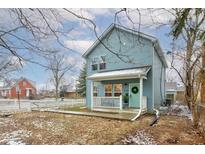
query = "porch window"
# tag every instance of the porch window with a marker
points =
(102, 63)
(95, 64)
(95, 89)
(108, 90)
(117, 89)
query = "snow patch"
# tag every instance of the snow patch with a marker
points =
(15, 137)
(140, 138)
(51, 125)
(4, 122)
(177, 110)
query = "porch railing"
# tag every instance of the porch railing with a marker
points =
(144, 102)
(108, 102)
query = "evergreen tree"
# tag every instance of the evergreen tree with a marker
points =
(81, 85)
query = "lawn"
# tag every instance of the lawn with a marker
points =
(52, 128)
(76, 108)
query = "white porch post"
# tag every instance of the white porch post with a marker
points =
(141, 93)
(120, 102)
(91, 96)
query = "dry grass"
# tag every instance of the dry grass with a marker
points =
(51, 128)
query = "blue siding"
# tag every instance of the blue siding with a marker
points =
(159, 81)
(138, 49)
(140, 53)
(147, 90)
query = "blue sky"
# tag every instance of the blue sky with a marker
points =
(81, 37)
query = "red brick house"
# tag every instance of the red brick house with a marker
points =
(26, 89)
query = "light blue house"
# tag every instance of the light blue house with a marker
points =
(125, 71)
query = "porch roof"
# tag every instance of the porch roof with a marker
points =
(121, 74)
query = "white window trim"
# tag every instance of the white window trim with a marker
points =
(96, 63)
(113, 89)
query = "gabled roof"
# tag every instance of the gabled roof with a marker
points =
(153, 39)
(17, 81)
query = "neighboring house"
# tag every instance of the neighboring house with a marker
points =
(25, 87)
(114, 83)
(174, 93)
(68, 91)
(71, 94)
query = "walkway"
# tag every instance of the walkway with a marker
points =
(117, 116)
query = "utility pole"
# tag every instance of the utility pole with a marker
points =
(18, 89)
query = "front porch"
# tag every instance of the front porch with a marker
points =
(118, 91)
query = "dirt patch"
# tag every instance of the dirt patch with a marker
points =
(176, 130)
(52, 128)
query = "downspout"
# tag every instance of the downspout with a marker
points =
(138, 115)
(157, 111)
(156, 117)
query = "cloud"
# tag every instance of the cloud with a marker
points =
(101, 11)
(45, 86)
(79, 45)
(149, 18)
(178, 63)
(81, 12)
(75, 60)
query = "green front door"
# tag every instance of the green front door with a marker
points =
(134, 96)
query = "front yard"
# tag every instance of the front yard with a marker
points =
(51, 128)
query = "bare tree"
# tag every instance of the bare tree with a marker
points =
(8, 65)
(189, 27)
(26, 33)
(58, 66)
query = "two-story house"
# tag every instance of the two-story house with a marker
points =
(125, 70)
(23, 88)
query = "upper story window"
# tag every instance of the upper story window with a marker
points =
(102, 62)
(95, 64)
(24, 83)
(18, 91)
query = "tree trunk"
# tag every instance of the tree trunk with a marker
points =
(195, 115)
(188, 89)
(203, 75)
(56, 93)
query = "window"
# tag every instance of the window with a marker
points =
(95, 91)
(24, 83)
(102, 63)
(95, 64)
(117, 89)
(108, 90)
